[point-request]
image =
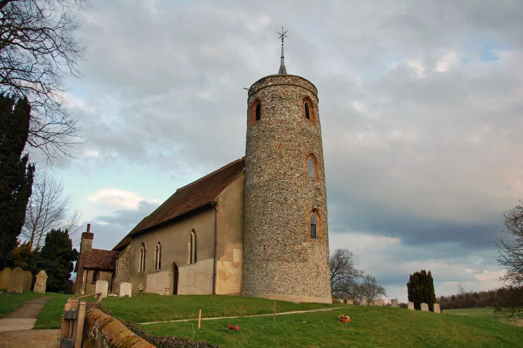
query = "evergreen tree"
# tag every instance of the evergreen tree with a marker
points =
(16, 174)
(56, 258)
(420, 289)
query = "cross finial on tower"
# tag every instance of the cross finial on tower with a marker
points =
(283, 35)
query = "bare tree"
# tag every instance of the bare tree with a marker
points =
(510, 251)
(37, 49)
(343, 273)
(370, 288)
(47, 209)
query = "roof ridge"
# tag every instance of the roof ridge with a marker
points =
(208, 175)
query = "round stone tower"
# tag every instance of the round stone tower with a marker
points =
(285, 246)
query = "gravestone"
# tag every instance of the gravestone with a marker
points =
(424, 307)
(437, 308)
(28, 280)
(126, 289)
(41, 282)
(363, 301)
(102, 286)
(16, 281)
(394, 303)
(378, 303)
(341, 300)
(4, 278)
(350, 302)
(411, 306)
(370, 303)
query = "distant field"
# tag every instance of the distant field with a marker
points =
(487, 313)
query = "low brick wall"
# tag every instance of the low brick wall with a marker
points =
(102, 330)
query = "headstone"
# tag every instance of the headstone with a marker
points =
(363, 301)
(102, 286)
(378, 303)
(126, 289)
(16, 281)
(437, 308)
(350, 302)
(28, 280)
(41, 282)
(4, 278)
(370, 303)
(394, 303)
(341, 300)
(424, 307)
(411, 306)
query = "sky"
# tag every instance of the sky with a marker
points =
(420, 107)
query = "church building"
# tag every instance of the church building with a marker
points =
(255, 227)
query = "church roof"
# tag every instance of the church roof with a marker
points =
(193, 197)
(104, 260)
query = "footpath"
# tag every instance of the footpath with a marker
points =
(16, 329)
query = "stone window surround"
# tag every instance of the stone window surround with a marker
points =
(252, 112)
(315, 164)
(319, 234)
(192, 248)
(312, 110)
(158, 257)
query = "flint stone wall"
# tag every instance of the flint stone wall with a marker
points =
(281, 261)
(123, 269)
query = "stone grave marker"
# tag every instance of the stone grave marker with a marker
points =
(363, 301)
(41, 282)
(350, 302)
(370, 303)
(437, 308)
(102, 286)
(4, 278)
(411, 306)
(126, 289)
(394, 303)
(28, 280)
(378, 303)
(424, 307)
(16, 281)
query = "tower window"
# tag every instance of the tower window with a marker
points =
(193, 247)
(307, 111)
(313, 226)
(311, 167)
(158, 256)
(255, 113)
(142, 257)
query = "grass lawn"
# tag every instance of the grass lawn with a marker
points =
(150, 307)
(485, 312)
(370, 327)
(51, 315)
(9, 302)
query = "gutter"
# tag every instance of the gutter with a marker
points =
(214, 205)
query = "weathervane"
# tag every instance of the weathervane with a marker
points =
(282, 35)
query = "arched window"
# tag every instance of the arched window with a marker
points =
(142, 257)
(193, 247)
(96, 276)
(307, 111)
(313, 226)
(158, 256)
(311, 167)
(255, 112)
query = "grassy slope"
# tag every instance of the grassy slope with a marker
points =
(370, 327)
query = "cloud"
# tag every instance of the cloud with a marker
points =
(119, 199)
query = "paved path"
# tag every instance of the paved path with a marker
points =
(246, 316)
(16, 328)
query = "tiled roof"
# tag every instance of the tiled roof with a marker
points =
(104, 260)
(196, 195)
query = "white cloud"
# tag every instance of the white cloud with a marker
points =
(118, 199)
(447, 62)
